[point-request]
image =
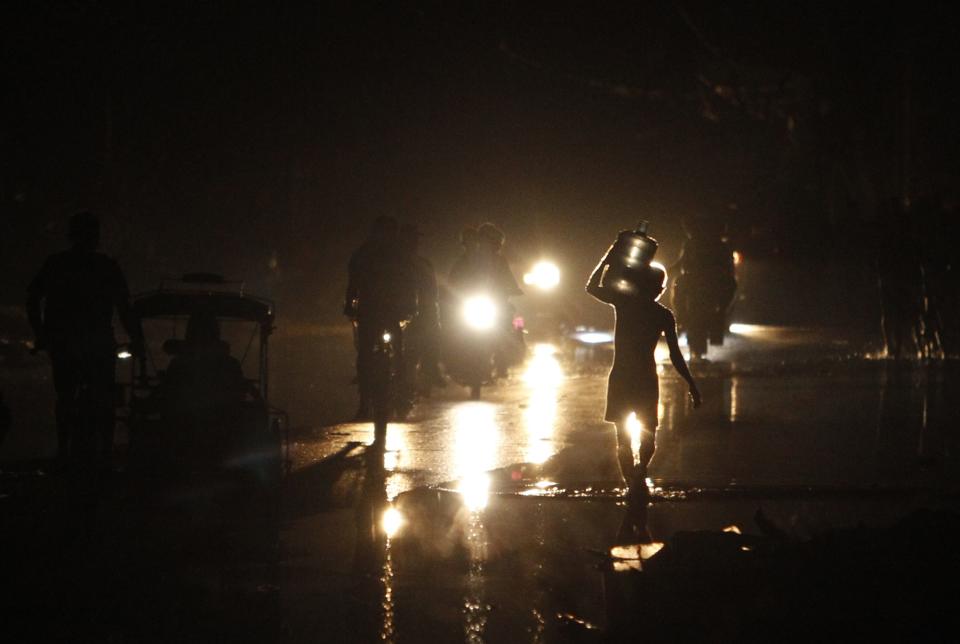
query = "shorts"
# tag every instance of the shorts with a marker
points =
(631, 395)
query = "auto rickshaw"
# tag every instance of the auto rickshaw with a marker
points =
(196, 403)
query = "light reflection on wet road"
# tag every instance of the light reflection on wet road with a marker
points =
(833, 424)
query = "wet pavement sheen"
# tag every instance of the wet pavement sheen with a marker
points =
(502, 519)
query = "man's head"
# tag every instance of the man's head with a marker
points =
(468, 237)
(650, 282)
(490, 237)
(408, 238)
(83, 230)
(202, 329)
(384, 229)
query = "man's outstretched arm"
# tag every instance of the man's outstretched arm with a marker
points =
(676, 357)
(593, 284)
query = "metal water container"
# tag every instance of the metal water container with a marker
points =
(629, 258)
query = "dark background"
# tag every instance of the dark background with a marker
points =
(261, 139)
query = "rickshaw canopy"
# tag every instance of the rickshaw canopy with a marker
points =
(191, 296)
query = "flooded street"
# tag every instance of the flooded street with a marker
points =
(502, 519)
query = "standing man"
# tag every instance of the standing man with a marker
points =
(381, 292)
(422, 339)
(633, 386)
(704, 290)
(70, 305)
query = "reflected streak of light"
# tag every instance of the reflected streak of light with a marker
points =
(475, 490)
(388, 630)
(543, 376)
(734, 386)
(543, 370)
(395, 446)
(394, 457)
(476, 438)
(475, 608)
(635, 429)
(733, 529)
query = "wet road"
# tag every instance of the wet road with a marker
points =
(489, 521)
(503, 519)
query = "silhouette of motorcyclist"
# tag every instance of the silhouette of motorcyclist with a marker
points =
(422, 336)
(704, 289)
(463, 265)
(70, 306)
(484, 269)
(381, 292)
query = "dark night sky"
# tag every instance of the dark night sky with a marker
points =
(215, 136)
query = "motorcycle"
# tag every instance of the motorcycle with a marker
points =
(481, 341)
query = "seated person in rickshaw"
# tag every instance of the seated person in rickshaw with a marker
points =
(203, 381)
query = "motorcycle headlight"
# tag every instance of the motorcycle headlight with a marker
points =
(480, 312)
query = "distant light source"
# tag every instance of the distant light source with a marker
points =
(745, 329)
(387, 337)
(545, 275)
(593, 337)
(124, 355)
(737, 258)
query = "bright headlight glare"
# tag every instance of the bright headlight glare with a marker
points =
(479, 312)
(544, 275)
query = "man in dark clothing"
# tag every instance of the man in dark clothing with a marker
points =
(381, 292)
(70, 306)
(633, 386)
(704, 290)
(422, 337)
(483, 269)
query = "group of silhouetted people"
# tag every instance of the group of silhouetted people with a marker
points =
(392, 287)
(70, 306)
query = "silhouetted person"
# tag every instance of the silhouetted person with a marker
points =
(484, 270)
(70, 305)
(381, 292)
(482, 267)
(705, 287)
(422, 337)
(203, 381)
(633, 386)
(463, 264)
